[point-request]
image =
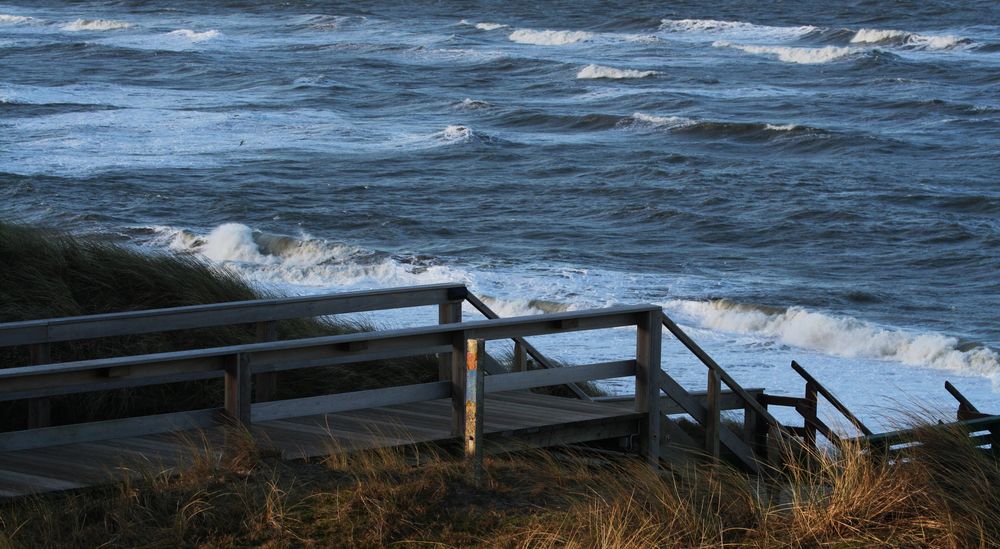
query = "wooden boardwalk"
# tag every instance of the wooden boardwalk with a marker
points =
(475, 401)
(511, 419)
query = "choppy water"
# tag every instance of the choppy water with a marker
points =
(790, 180)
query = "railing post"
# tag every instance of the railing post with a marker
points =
(237, 389)
(457, 375)
(761, 432)
(520, 357)
(713, 409)
(40, 409)
(475, 397)
(809, 415)
(266, 384)
(448, 313)
(649, 339)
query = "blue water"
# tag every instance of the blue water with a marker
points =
(790, 180)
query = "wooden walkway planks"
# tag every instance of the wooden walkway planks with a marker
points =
(543, 419)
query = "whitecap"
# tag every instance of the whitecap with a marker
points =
(734, 29)
(841, 336)
(788, 54)
(903, 38)
(194, 36)
(549, 37)
(472, 104)
(781, 127)
(667, 122)
(598, 71)
(490, 26)
(6, 19)
(96, 25)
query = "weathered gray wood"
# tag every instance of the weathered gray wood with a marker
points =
(237, 389)
(572, 432)
(458, 365)
(831, 399)
(343, 402)
(221, 314)
(40, 409)
(106, 430)
(966, 410)
(516, 381)
(448, 313)
(649, 339)
(728, 400)
(266, 384)
(520, 362)
(709, 362)
(23, 378)
(527, 347)
(475, 397)
(810, 419)
(697, 411)
(904, 436)
(713, 415)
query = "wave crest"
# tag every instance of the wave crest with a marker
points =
(741, 29)
(6, 19)
(96, 25)
(842, 336)
(805, 56)
(549, 37)
(597, 71)
(194, 36)
(903, 38)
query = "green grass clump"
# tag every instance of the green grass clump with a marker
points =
(49, 274)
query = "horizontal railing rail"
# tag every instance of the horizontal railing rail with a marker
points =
(54, 330)
(238, 363)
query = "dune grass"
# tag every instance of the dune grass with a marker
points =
(943, 494)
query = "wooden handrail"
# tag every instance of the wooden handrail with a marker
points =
(830, 398)
(222, 314)
(311, 352)
(709, 362)
(528, 348)
(908, 435)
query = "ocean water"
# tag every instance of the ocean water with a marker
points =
(790, 180)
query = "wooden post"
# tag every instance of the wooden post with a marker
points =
(761, 433)
(448, 313)
(475, 396)
(713, 419)
(237, 389)
(649, 339)
(809, 415)
(266, 384)
(40, 409)
(520, 357)
(458, 357)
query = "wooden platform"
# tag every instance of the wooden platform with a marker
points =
(510, 420)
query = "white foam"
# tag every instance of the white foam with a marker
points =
(788, 54)
(15, 19)
(472, 104)
(454, 133)
(668, 122)
(194, 36)
(842, 336)
(297, 263)
(96, 25)
(549, 37)
(733, 29)
(879, 36)
(781, 127)
(598, 71)
(489, 26)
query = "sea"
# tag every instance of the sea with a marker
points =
(810, 181)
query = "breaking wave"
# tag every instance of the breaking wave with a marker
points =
(788, 54)
(903, 38)
(598, 71)
(842, 336)
(15, 19)
(96, 25)
(301, 261)
(733, 29)
(193, 35)
(549, 37)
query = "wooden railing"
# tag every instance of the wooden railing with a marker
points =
(40, 335)
(239, 363)
(983, 432)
